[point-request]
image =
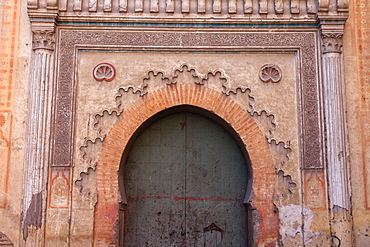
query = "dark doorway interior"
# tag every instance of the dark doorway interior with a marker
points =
(185, 181)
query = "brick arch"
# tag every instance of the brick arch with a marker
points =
(106, 211)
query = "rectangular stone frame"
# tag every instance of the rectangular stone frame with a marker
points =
(70, 42)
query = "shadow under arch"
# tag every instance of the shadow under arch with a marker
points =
(205, 113)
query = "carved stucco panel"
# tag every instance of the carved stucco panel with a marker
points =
(205, 70)
(98, 109)
(304, 41)
(212, 74)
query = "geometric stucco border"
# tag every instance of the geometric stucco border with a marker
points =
(304, 43)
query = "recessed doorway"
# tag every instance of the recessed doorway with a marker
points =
(185, 180)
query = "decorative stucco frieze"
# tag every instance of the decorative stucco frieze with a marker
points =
(292, 10)
(333, 6)
(311, 132)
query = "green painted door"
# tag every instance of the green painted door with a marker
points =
(185, 180)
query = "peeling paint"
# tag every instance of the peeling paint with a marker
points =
(33, 215)
(363, 237)
(295, 223)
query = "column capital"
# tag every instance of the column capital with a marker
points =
(43, 35)
(331, 36)
(331, 42)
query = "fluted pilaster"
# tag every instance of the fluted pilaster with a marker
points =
(39, 118)
(336, 135)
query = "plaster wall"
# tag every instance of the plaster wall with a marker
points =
(356, 54)
(15, 43)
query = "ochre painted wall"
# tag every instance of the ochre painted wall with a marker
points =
(10, 171)
(356, 50)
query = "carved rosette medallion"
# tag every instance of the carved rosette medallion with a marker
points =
(270, 73)
(104, 72)
(332, 42)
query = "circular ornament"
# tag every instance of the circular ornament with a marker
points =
(270, 72)
(104, 71)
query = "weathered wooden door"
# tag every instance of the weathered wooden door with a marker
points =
(185, 181)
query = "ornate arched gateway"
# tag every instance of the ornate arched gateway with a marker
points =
(192, 95)
(268, 72)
